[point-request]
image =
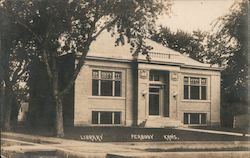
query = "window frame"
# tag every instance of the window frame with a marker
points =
(114, 80)
(113, 121)
(200, 85)
(154, 77)
(200, 118)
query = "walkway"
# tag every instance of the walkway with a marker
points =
(214, 132)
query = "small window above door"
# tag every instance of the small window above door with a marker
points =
(154, 77)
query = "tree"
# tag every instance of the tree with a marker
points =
(190, 44)
(70, 26)
(13, 63)
(232, 32)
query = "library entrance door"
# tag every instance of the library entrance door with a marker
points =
(155, 100)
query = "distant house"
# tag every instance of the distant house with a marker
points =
(241, 121)
(117, 89)
(23, 112)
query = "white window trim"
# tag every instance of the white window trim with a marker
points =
(200, 87)
(113, 83)
(113, 118)
(189, 119)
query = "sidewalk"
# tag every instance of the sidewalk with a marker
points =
(23, 143)
(214, 132)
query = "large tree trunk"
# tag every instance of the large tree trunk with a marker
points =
(58, 100)
(7, 108)
(1, 101)
(59, 117)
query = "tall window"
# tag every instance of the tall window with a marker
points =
(106, 83)
(195, 88)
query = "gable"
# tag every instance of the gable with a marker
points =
(104, 47)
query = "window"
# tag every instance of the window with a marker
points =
(106, 83)
(154, 76)
(195, 118)
(106, 117)
(195, 88)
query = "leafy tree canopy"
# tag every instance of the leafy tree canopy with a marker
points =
(59, 27)
(190, 44)
(233, 28)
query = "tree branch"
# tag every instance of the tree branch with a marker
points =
(46, 61)
(22, 24)
(15, 74)
(105, 27)
(78, 68)
(45, 55)
(84, 54)
(25, 69)
(22, 68)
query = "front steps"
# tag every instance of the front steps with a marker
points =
(161, 122)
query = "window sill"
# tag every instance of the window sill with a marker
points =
(192, 125)
(107, 125)
(198, 101)
(106, 97)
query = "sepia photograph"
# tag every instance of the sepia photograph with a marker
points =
(124, 78)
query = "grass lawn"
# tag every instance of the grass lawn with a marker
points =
(134, 134)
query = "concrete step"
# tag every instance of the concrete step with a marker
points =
(161, 122)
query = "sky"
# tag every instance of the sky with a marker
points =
(189, 15)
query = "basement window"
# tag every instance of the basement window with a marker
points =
(195, 118)
(106, 117)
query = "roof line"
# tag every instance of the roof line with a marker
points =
(156, 62)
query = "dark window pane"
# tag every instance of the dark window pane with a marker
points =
(194, 118)
(106, 88)
(95, 87)
(194, 92)
(106, 118)
(203, 92)
(117, 118)
(153, 104)
(156, 90)
(203, 118)
(94, 117)
(185, 118)
(185, 80)
(150, 77)
(156, 77)
(186, 92)
(117, 88)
